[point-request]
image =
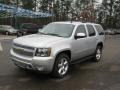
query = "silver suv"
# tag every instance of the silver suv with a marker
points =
(58, 45)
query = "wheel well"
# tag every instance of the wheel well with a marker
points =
(100, 44)
(68, 52)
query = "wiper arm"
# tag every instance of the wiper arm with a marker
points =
(54, 34)
(42, 33)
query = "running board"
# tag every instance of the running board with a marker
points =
(81, 60)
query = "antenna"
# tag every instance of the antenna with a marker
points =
(71, 17)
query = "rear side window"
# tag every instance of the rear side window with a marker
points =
(91, 30)
(99, 29)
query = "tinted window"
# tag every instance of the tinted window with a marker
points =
(91, 30)
(28, 26)
(81, 29)
(99, 29)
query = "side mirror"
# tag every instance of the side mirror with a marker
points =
(80, 35)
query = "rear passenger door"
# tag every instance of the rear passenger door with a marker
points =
(92, 40)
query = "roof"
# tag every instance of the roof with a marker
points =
(68, 22)
(74, 22)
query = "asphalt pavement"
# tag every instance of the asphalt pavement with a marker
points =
(88, 75)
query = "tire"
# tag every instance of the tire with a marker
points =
(6, 33)
(98, 54)
(19, 34)
(61, 66)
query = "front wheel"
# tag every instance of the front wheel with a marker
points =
(61, 66)
(6, 33)
(98, 54)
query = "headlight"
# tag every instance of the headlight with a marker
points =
(43, 52)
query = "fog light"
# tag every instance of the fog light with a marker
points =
(40, 68)
(29, 67)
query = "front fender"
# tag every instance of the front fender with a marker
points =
(59, 49)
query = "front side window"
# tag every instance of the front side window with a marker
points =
(58, 29)
(91, 30)
(81, 29)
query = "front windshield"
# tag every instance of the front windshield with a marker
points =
(55, 29)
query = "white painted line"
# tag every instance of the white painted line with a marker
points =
(1, 49)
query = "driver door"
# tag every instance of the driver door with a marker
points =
(79, 45)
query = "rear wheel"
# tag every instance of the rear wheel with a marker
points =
(61, 66)
(19, 34)
(98, 54)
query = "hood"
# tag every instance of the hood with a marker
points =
(37, 40)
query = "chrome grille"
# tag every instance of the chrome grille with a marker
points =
(23, 50)
(22, 46)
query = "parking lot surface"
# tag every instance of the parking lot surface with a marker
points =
(88, 75)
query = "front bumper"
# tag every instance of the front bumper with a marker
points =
(43, 64)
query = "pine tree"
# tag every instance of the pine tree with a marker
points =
(28, 4)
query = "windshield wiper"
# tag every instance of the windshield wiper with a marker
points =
(53, 34)
(42, 33)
